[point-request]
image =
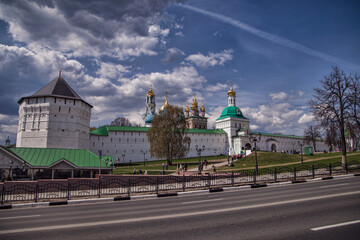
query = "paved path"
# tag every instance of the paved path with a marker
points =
(207, 169)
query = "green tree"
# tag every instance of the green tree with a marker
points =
(167, 134)
(331, 104)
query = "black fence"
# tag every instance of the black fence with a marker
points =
(115, 185)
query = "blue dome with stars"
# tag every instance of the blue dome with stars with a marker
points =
(149, 118)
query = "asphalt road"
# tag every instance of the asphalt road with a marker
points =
(315, 210)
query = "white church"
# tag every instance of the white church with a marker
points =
(56, 117)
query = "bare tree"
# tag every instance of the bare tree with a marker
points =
(311, 135)
(331, 104)
(167, 134)
(121, 121)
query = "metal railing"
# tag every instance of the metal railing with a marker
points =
(116, 185)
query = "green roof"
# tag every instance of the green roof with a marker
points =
(231, 111)
(104, 130)
(45, 157)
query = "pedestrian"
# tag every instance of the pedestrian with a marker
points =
(140, 172)
(185, 167)
(206, 162)
(134, 171)
(167, 165)
(146, 172)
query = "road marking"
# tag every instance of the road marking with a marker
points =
(28, 216)
(170, 216)
(335, 225)
(335, 185)
(202, 201)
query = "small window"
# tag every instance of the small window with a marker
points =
(55, 100)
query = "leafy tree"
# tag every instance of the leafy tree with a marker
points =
(331, 103)
(311, 135)
(121, 121)
(167, 134)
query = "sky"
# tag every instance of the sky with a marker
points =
(274, 53)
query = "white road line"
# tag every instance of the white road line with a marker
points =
(202, 201)
(171, 216)
(335, 225)
(335, 185)
(28, 216)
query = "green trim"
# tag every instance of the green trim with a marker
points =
(45, 157)
(104, 130)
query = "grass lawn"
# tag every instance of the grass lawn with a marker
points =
(265, 159)
(268, 159)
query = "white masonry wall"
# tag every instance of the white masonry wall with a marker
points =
(49, 122)
(134, 144)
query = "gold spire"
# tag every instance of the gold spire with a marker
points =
(150, 92)
(166, 102)
(194, 103)
(231, 92)
(202, 109)
(187, 108)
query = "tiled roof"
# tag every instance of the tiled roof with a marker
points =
(104, 130)
(45, 157)
(56, 88)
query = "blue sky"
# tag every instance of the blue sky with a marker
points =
(274, 52)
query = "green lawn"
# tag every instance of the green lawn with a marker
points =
(265, 159)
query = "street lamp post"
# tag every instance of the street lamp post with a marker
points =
(144, 152)
(301, 155)
(11, 166)
(106, 161)
(100, 156)
(199, 150)
(254, 139)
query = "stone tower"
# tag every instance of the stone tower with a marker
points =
(54, 117)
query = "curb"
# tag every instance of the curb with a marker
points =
(167, 194)
(58, 203)
(327, 178)
(216, 190)
(299, 181)
(258, 185)
(121, 198)
(6, 206)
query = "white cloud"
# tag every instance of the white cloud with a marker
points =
(217, 87)
(210, 60)
(125, 29)
(301, 93)
(306, 118)
(278, 96)
(111, 70)
(172, 54)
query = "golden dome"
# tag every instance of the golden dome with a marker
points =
(231, 92)
(187, 108)
(150, 92)
(194, 104)
(202, 108)
(165, 105)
